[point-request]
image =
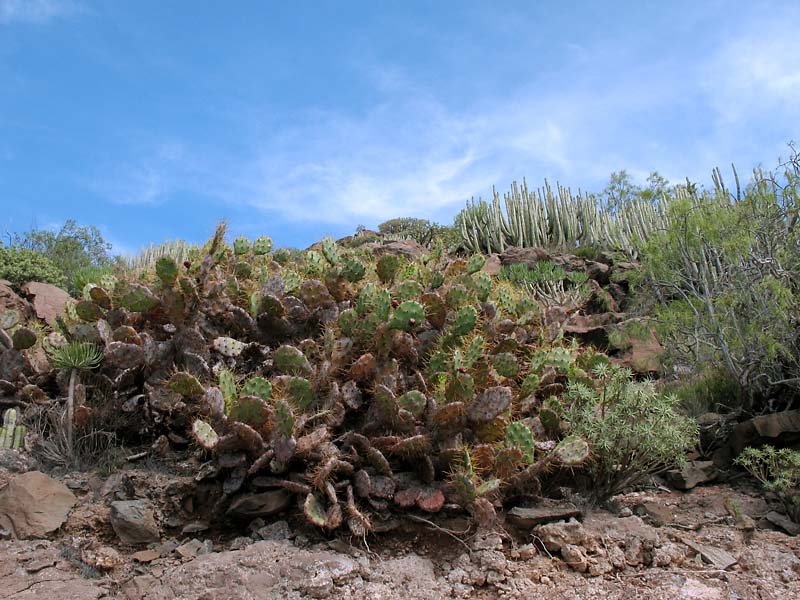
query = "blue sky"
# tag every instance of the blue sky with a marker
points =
(154, 119)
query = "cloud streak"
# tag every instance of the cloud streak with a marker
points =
(36, 12)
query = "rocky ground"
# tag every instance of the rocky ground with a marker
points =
(719, 541)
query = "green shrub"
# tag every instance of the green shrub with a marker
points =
(725, 277)
(632, 430)
(778, 471)
(19, 265)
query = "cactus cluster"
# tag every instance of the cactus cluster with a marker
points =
(363, 387)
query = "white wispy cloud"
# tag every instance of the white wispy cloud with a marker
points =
(36, 11)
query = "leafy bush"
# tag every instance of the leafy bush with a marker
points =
(19, 265)
(778, 471)
(421, 231)
(72, 248)
(632, 430)
(725, 277)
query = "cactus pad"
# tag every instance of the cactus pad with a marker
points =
(489, 404)
(228, 346)
(262, 245)
(257, 386)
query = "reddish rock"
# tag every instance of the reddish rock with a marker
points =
(10, 300)
(33, 505)
(526, 256)
(49, 301)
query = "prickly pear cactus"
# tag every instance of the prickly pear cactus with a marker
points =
(228, 346)
(483, 286)
(289, 360)
(204, 434)
(257, 386)
(519, 435)
(262, 245)
(572, 451)
(23, 338)
(330, 250)
(167, 270)
(241, 246)
(407, 316)
(475, 263)
(387, 268)
(505, 364)
(465, 321)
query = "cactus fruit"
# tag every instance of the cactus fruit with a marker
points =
(257, 386)
(204, 434)
(387, 268)
(186, 385)
(228, 346)
(519, 435)
(408, 316)
(489, 404)
(289, 360)
(23, 338)
(89, 311)
(475, 263)
(330, 250)
(505, 364)
(241, 245)
(167, 270)
(572, 451)
(12, 435)
(465, 321)
(262, 245)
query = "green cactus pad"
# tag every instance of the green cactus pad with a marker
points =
(572, 451)
(414, 402)
(300, 392)
(89, 311)
(186, 385)
(227, 385)
(505, 364)
(475, 263)
(251, 410)
(262, 245)
(289, 360)
(383, 304)
(241, 245)
(314, 263)
(437, 279)
(139, 298)
(257, 386)
(167, 270)
(243, 270)
(408, 290)
(348, 321)
(465, 321)
(387, 268)
(483, 286)
(353, 270)
(408, 316)
(550, 419)
(330, 250)
(519, 435)
(457, 296)
(460, 388)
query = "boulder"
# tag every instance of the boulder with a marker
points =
(33, 505)
(692, 474)
(492, 265)
(767, 428)
(525, 256)
(49, 301)
(10, 300)
(405, 248)
(134, 521)
(264, 504)
(547, 512)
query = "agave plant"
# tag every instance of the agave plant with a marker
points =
(75, 356)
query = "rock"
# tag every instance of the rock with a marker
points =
(194, 547)
(644, 355)
(718, 557)
(525, 256)
(783, 522)
(16, 461)
(145, 556)
(102, 557)
(784, 425)
(658, 514)
(10, 300)
(527, 518)
(260, 505)
(492, 265)
(598, 271)
(33, 505)
(575, 557)
(692, 474)
(134, 521)
(279, 530)
(555, 536)
(406, 248)
(48, 300)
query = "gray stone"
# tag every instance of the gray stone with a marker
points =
(265, 504)
(279, 530)
(692, 474)
(134, 521)
(528, 518)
